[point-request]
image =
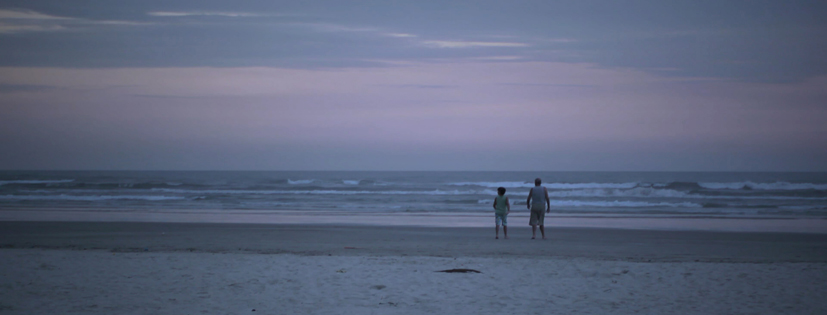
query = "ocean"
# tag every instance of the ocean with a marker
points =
(747, 195)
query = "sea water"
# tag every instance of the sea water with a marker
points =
(571, 193)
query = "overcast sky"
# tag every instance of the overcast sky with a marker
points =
(414, 85)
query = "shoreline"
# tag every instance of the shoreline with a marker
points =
(815, 225)
(351, 240)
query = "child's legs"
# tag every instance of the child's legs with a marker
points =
(504, 220)
(497, 222)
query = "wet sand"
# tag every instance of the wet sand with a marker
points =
(174, 268)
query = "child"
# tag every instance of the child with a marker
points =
(501, 210)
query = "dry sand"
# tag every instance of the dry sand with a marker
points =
(154, 268)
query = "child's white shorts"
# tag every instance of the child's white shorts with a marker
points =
(501, 219)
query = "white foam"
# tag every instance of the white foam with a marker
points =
(88, 198)
(350, 182)
(548, 185)
(321, 192)
(634, 192)
(622, 204)
(639, 192)
(765, 186)
(28, 182)
(590, 185)
(644, 192)
(300, 181)
(609, 204)
(494, 184)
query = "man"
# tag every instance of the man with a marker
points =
(539, 205)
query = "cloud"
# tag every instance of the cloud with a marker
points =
(334, 28)
(171, 96)
(499, 58)
(18, 21)
(466, 44)
(400, 35)
(589, 86)
(423, 86)
(12, 28)
(10, 88)
(115, 22)
(206, 13)
(29, 15)
(557, 40)
(682, 41)
(399, 111)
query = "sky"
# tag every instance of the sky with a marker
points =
(413, 85)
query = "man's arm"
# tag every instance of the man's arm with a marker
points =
(528, 200)
(495, 203)
(548, 202)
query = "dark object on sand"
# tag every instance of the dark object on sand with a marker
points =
(460, 270)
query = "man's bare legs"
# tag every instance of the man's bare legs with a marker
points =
(533, 231)
(543, 232)
(498, 232)
(505, 232)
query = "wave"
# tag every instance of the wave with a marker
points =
(138, 185)
(88, 198)
(622, 204)
(300, 181)
(548, 185)
(609, 204)
(679, 186)
(590, 185)
(322, 192)
(34, 182)
(72, 184)
(805, 207)
(643, 192)
(494, 184)
(724, 205)
(672, 185)
(634, 192)
(764, 186)
(639, 192)
(360, 182)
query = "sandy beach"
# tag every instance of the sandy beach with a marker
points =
(174, 268)
(349, 157)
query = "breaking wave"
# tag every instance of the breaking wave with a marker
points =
(672, 185)
(610, 204)
(33, 182)
(88, 198)
(549, 185)
(634, 192)
(323, 192)
(300, 181)
(765, 186)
